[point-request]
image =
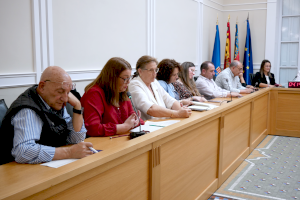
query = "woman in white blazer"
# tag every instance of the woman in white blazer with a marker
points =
(149, 97)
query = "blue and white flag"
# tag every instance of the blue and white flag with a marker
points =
(216, 58)
(248, 60)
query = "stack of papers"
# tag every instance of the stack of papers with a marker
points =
(153, 126)
(58, 163)
(199, 106)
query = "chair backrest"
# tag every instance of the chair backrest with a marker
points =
(68, 106)
(195, 78)
(3, 110)
(251, 76)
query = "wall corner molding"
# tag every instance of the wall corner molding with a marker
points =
(17, 79)
(151, 27)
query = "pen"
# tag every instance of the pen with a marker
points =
(93, 150)
(116, 136)
(156, 125)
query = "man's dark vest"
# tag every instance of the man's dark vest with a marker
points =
(54, 131)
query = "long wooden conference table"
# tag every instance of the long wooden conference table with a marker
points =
(187, 160)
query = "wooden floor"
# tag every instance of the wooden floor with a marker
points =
(188, 160)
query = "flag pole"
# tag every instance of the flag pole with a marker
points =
(217, 19)
(228, 17)
(237, 19)
(248, 16)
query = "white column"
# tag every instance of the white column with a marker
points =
(200, 37)
(151, 28)
(271, 36)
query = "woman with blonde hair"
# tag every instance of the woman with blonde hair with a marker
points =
(185, 85)
(107, 108)
(149, 96)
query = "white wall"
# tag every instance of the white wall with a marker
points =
(16, 44)
(86, 34)
(80, 36)
(211, 12)
(176, 30)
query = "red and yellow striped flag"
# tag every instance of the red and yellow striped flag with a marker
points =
(227, 59)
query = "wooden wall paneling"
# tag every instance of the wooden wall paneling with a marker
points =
(55, 188)
(110, 184)
(236, 138)
(288, 112)
(184, 161)
(235, 164)
(155, 171)
(268, 117)
(273, 111)
(189, 163)
(220, 150)
(208, 191)
(259, 120)
(251, 125)
(289, 133)
(188, 129)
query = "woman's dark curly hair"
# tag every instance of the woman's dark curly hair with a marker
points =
(166, 68)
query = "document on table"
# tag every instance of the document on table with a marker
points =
(58, 163)
(153, 126)
(161, 123)
(199, 106)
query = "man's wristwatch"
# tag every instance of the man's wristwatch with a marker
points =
(78, 111)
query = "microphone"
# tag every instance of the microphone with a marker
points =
(255, 86)
(140, 133)
(295, 77)
(229, 90)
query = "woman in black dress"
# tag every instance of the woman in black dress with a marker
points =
(264, 78)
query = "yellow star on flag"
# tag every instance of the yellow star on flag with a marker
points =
(245, 49)
(247, 67)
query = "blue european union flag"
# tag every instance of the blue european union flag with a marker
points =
(216, 58)
(248, 61)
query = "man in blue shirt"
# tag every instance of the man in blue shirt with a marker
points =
(37, 123)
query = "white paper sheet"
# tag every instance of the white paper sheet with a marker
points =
(161, 123)
(199, 108)
(153, 126)
(196, 103)
(146, 128)
(58, 163)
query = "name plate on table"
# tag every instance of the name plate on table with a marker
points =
(294, 84)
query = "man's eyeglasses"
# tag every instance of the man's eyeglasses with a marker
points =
(126, 80)
(152, 70)
(65, 85)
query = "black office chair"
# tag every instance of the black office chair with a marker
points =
(251, 76)
(68, 106)
(3, 110)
